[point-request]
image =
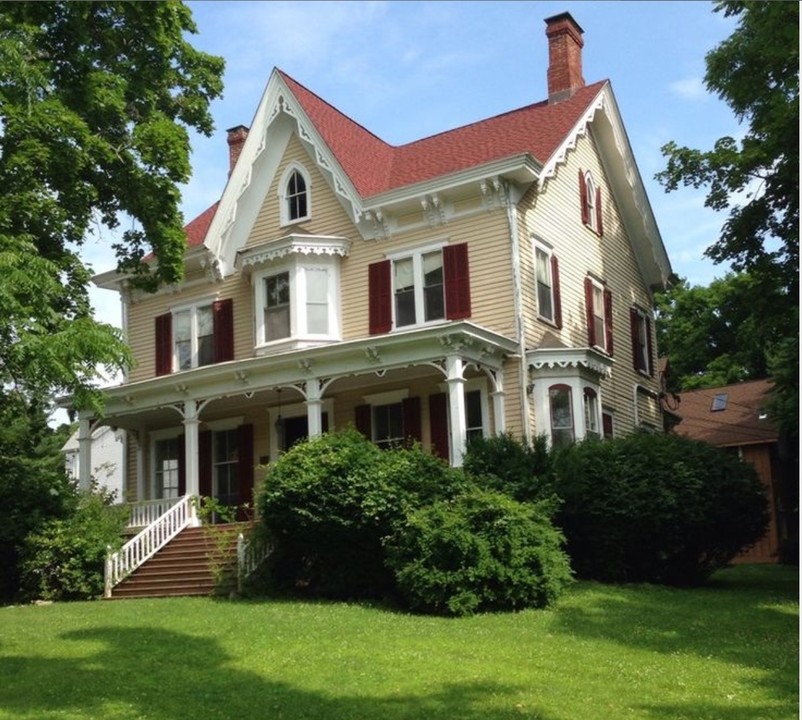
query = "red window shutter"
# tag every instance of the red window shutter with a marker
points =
(583, 198)
(182, 466)
(223, 318)
(457, 278)
(205, 463)
(555, 284)
(412, 420)
(607, 425)
(438, 424)
(362, 420)
(164, 344)
(589, 312)
(608, 321)
(649, 348)
(599, 212)
(380, 310)
(245, 468)
(634, 326)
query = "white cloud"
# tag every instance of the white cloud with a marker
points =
(689, 89)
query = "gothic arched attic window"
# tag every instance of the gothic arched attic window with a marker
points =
(295, 200)
(591, 202)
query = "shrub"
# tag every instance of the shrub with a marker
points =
(509, 466)
(65, 558)
(329, 501)
(480, 551)
(656, 508)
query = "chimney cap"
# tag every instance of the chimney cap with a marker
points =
(554, 19)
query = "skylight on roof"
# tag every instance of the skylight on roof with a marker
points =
(719, 402)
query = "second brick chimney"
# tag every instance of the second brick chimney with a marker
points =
(565, 56)
(236, 139)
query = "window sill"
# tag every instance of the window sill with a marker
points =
(296, 343)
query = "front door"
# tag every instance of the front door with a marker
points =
(226, 465)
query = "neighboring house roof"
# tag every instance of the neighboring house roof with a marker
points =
(729, 415)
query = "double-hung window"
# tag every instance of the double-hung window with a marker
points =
(591, 406)
(591, 202)
(166, 472)
(294, 194)
(547, 285)
(418, 288)
(388, 425)
(599, 308)
(276, 306)
(194, 335)
(641, 328)
(562, 415)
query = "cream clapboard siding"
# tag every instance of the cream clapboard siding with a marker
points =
(555, 217)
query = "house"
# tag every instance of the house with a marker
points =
(496, 277)
(107, 454)
(734, 417)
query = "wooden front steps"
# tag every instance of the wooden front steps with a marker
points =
(198, 561)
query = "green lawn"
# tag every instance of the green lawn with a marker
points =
(726, 652)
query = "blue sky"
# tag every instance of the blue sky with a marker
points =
(406, 70)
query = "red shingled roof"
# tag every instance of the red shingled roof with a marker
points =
(741, 421)
(374, 166)
(196, 229)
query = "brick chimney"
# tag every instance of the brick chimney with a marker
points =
(565, 56)
(236, 139)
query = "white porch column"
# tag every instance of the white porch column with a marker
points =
(314, 408)
(139, 439)
(499, 415)
(456, 405)
(84, 452)
(191, 447)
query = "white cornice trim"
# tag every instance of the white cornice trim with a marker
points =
(545, 359)
(292, 245)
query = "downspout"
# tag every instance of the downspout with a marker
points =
(512, 220)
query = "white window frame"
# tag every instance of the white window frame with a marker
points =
(283, 193)
(590, 199)
(591, 412)
(601, 337)
(416, 255)
(541, 247)
(192, 309)
(643, 347)
(299, 336)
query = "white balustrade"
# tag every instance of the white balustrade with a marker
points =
(250, 553)
(148, 511)
(180, 514)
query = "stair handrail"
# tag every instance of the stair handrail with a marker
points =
(144, 512)
(146, 543)
(250, 553)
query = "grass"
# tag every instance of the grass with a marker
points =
(726, 652)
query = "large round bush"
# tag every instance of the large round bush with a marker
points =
(480, 551)
(656, 508)
(328, 503)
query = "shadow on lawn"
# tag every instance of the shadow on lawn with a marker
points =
(731, 620)
(160, 674)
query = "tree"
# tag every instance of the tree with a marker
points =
(719, 334)
(96, 100)
(756, 72)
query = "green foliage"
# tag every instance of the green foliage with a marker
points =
(65, 559)
(480, 551)
(328, 502)
(96, 104)
(720, 334)
(34, 487)
(656, 508)
(507, 465)
(756, 72)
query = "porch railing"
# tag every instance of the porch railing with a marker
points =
(148, 511)
(250, 553)
(149, 541)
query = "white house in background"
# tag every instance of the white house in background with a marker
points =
(108, 459)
